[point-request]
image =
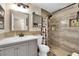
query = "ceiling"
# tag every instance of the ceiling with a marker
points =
(51, 7)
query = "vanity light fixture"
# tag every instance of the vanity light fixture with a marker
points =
(23, 5)
(19, 5)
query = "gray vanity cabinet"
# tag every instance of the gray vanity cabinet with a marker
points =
(7, 51)
(23, 49)
(32, 47)
(28, 48)
(1, 52)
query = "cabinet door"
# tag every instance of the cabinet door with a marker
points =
(32, 47)
(7, 51)
(16, 50)
(1, 52)
(23, 49)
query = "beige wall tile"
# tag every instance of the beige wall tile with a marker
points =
(65, 36)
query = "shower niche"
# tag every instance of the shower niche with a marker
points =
(19, 21)
(74, 23)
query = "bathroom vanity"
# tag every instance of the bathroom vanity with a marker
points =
(19, 46)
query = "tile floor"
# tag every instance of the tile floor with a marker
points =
(56, 51)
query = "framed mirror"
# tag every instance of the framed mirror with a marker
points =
(2, 12)
(19, 21)
(37, 20)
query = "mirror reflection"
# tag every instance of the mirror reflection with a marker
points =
(37, 21)
(19, 21)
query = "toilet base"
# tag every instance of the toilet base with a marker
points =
(42, 54)
(43, 50)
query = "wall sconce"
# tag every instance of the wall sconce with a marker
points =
(21, 4)
(77, 16)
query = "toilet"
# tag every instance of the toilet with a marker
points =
(43, 49)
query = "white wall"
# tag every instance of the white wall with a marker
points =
(8, 6)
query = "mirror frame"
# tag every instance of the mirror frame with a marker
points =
(40, 20)
(2, 18)
(27, 21)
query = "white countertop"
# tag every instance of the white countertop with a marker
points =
(16, 39)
